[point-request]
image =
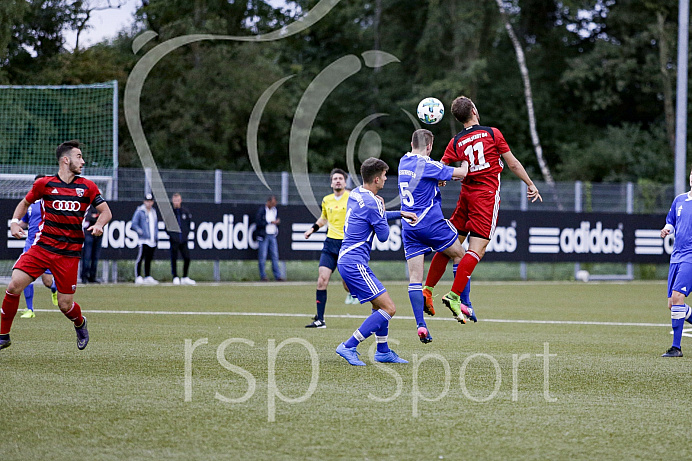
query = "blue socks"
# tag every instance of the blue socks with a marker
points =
(678, 312)
(53, 287)
(372, 324)
(29, 296)
(381, 336)
(321, 299)
(415, 294)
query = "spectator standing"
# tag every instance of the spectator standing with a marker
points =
(146, 224)
(92, 247)
(179, 241)
(267, 221)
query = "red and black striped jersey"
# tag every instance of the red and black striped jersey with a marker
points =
(64, 206)
(482, 147)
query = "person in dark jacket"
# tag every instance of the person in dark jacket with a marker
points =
(267, 221)
(92, 247)
(179, 241)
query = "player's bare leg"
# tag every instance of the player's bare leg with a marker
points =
(48, 281)
(73, 312)
(10, 304)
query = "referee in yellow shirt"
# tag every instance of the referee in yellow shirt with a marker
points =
(334, 214)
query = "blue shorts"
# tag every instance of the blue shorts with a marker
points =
(361, 282)
(436, 237)
(330, 253)
(680, 278)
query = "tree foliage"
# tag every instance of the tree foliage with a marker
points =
(602, 76)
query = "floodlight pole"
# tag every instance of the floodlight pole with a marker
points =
(681, 101)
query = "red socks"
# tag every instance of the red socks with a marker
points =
(9, 309)
(75, 315)
(437, 268)
(466, 267)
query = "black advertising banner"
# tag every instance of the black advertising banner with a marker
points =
(226, 231)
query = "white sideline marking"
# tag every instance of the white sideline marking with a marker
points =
(348, 316)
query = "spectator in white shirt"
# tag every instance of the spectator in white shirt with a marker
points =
(267, 221)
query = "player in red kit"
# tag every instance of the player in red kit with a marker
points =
(485, 149)
(66, 197)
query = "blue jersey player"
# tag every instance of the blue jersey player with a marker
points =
(679, 221)
(365, 219)
(32, 222)
(419, 176)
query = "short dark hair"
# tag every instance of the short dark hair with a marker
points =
(421, 138)
(271, 197)
(337, 171)
(462, 108)
(65, 148)
(372, 168)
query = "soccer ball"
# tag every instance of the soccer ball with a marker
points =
(430, 110)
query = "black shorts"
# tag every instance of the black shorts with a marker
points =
(330, 253)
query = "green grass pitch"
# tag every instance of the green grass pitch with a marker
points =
(264, 387)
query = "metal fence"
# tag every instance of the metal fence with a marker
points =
(244, 187)
(217, 186)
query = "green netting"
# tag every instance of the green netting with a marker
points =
(34, 120)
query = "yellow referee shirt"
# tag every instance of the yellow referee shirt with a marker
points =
(334, 211)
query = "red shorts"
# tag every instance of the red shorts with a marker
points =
(477, 210)
(37, 259)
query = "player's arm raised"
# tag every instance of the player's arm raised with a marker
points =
(97, 228)
(315, 227)
(518, 169)
(16, 228)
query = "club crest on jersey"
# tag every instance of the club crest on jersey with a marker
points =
(80, 192)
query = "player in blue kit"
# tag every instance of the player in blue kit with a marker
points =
(365, 218)
(679, 221)
(419, 176)
(31, 222)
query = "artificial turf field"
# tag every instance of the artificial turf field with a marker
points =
(125, 396)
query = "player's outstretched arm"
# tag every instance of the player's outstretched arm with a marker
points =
(16, 228)
(315, 227)
(461, 172)
(518, 169)
(410, 216)
(97, 228)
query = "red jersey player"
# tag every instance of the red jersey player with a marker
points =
(484, 148)
(66, 197)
